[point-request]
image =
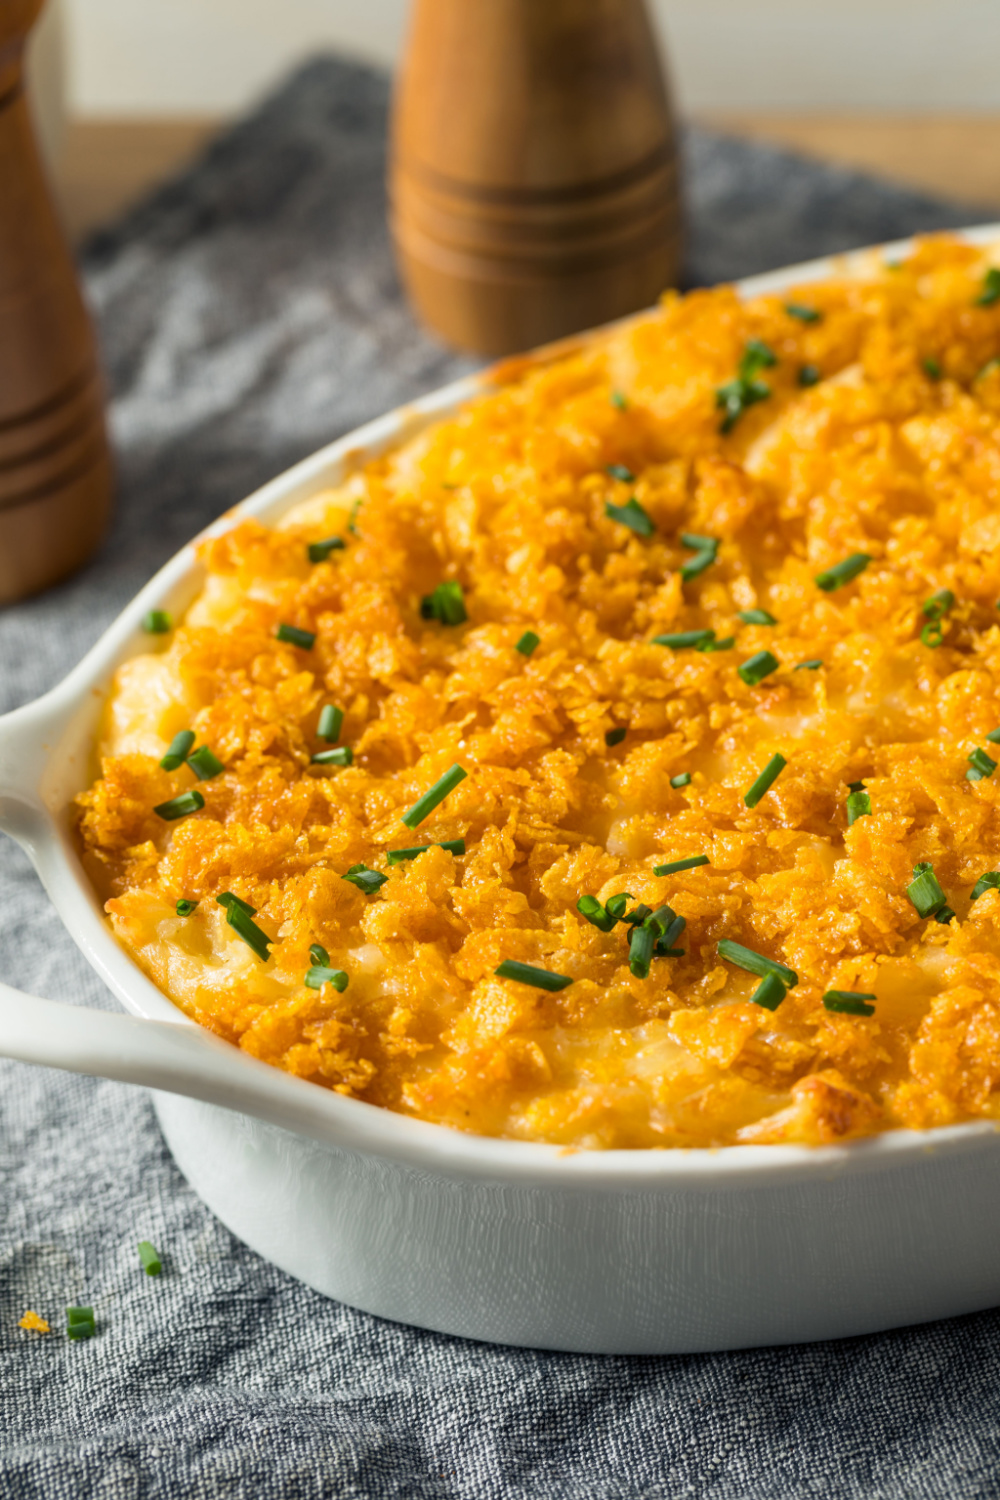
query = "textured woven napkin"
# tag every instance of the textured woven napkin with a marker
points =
(248, 313)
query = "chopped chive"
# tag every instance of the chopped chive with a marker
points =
(365, 879)
(227, 899)
(691, 863)
(765, 780)
(619, 471)
(597, 915)
(665, 944)
(988, 882)
(994, 736)
(939, 604)
(931, 367)
(757, 667)
(434, 796)
(293, 636)
(803, 313)
(991, 288)
(528, 642)
(981, 766)
(619, 401)
(246, 928)
(446, 604)
(842, 572)
(932, 634)
(205, 764)
(157, 622)
(614, 737)
(706, 551)
(178, 750)
(637, 915)
(319, 955)
(756, 963)
(179, 807)
(150, 1259)
(699, 543)
(352, 524)
(757, 617)
(331, 721)
(737, 395)
(632, 515)
(683, 778)
(615, 905)
(540, 979)
(184, 907)
(944, 915)
(321, 974)
(725, 645)
(80, 1323)
(849, 1002)
(809, 375)
(320, 551)
(859, 804)
(684, 640)
(812, 665)
(988, 368)
(342, 756)
(642, 941)
(924, 890)
(397, 856)
(79, 1315)
(770, 992)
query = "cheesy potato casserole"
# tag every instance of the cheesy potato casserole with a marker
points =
(612, 764)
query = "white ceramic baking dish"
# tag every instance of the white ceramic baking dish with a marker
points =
(619, 1251)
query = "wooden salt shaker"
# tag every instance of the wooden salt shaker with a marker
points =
(534, 171)
(55, 472)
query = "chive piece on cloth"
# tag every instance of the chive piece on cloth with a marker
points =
(318, 955)
(849, 1002)
(765, 780)
(184, 907)
(180, 807)
(770, 992)
(321, 974)
(178, 750)
(859, 803)
(365, 879)
(682, 779)
(842, 572)
(756, 963)
(981, 765)
(803, 313)
(149, 1256)
(528, 643)
(991, 288)
(924, 890)
(446, 604)
(632, 515)
(809, 375)
(205, 763)
(80, 1323)
(990, 881)
(684, 640)
(620, 471)
(293, 636)
(342, 756)
(331, 721)
(682, 864)
(812, 665)
(398, 856)
(539, 979)
(597, 915)
(320, 551)
(157, 622)
(227, 899)
(246, 928)
(706, 551)
(434, 796)
(614, 737)
(757, 617)
(757, 667)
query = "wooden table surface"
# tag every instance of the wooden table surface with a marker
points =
(107, 164)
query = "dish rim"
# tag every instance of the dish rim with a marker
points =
(36, 817)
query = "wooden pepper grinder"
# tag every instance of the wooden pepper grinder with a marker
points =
(534, 172)
(55, 472)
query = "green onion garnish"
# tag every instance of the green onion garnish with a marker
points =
(397, 856)
(619, 471)
(614, 737)
(981, 766)
(859, 803)
(293, 636)
(994, 736)
(932, 634)
(320, 551)
(757, 667)
(227, 899)
(185, 907)
(939, 604)
(944, 915)
(849, 1002)
(736, 396)
(540, 979)
(641, 943)
(597, 915)
(705, 549)
(726, 645)
(615, 905)
(988, 368)
(318, 954)
(684, 640)
(80, 1323)
(352, 525)
(988, 882)
(157, 622)
(331, 722)
(991, 288)
(665, 944)
(434, 796)
(924, 890)
(245, 927)
(757, 617)
(150, 1259)
(527, 643)
(756, 963)
(809, 375)
(446, 604)
(632, 515)
(365, 879)
(683, 778)
(321, 974)
(931, 367)
(765, 780)
(812, 665)
(682, 864)
(342, 756)
(619, 401)
(179, 807)
(803, 313)
(770, 992)
(178, 750)
(842, 572)
(205, 764)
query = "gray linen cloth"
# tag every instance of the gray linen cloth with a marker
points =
(250, 312)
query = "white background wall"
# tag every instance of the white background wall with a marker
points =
(169, 57)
